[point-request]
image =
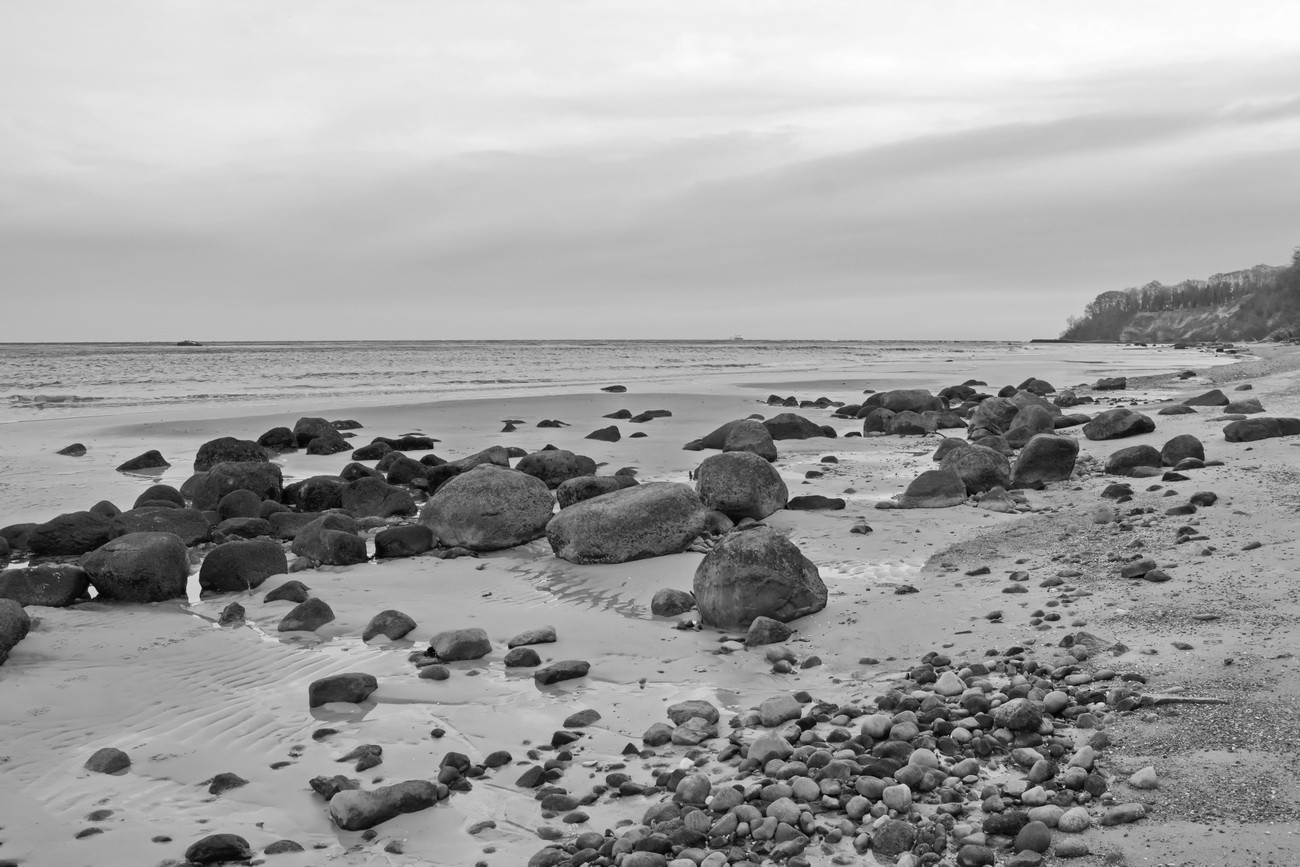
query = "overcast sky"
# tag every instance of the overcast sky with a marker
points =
(245, 169)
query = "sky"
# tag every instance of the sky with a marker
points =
(839, 169)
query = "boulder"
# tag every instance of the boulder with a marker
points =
(290, 591)
(488, 508)
(1045, 458)
(494, 455)
(740, 485)
(357, 810)
(400, 469)
(753, 573)
(1118, 423)
(243, 565)
(278, 440)
(139, 567)
(789, 426)
(917, 400)
(352, 686)
(309, 428)
(934, 489)
(554, 466)
(1249, 406)
(715, 439)
(392, 624)
(50, 585)
(1214, 397)
(609, 434)
(14, 626)
(70, 534)
(1123, 461)
(239, 504)
(228, 449)
(454, 645)
(373, 497)
(1181, 447)
(107, 760)
(1028, 423)
(573, 491)
(190, 525)
(1111, 383)
(158, 493)
(372, 452)
(908, 423)
(815, 503)
(750, 435)
(306, 616)
(979, 467)
(316, 493)
(670, 602)
(1253, 429)
(647, 520)
(219, 849)
(205, 490)
(234, 529)
(330, 539)
(994, 414)
(407, 540)
(150, 460)
(877, 419)
(76, 450)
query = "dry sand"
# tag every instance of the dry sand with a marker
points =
(188, 700)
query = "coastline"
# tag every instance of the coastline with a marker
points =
(224, 700)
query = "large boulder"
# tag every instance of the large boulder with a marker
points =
(1028, 423)
(715, 439)
(876, 419)
(980, 468)
(756, 572)
(309, 428)
(1117, 423)
(1045, 458)
(585, 487)
(1248, 406)
(372, 497)
(497, 456)
(917, 400)
(228, 449)
(279, 440)
(934, 489)
(790, 426)
(908, 423)
(1123, 461)
(14, 626)
(740, 485)
(330, 539)
(994, 414)
(750, 435)
(139, 567)
(647, 520)
(205, 490)
(357, 810)
(70, 534)
(243, 565)
(1181, 447)
(405, 540)
(315, 493)
(1251, 429)
(51, 585)
(488, 508)
(1214, 397)
(155, 494)
(190, 525)
(554, 466)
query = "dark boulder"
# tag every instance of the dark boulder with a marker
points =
(1111, 383)
(1118, 423)
(789, 426)
(278, 440)
(290, 591)
(877, 419)
(219, 849)
(239, 504)
(371, 497)
(357, 810)
(205, 490)
(1181, 447)
(1253, 429)
(243, 565)
(647, 520)
(715, 439)
(190, 525)
(139, 567)
(554, 466)
(815, 503)
(49, 585)
(1045, 458)
(306, 616)
(228, 449)
(908, 423)
(980, 468)
(609, 434)
(392, 624)
(740, 485)
(331, 540)
(15, 623)
(75, 450)
(488, 508)
(234, 529)
(150, 460)
(315, 494)
(756, 572)
(916, 400)
(1123, 461)
(1214, 397)
(403, 470)
(309, 428)
(934, 489)
(1028, 423)
(351, 686)
(585, 487)
(750, 435)
(372, 452)
(158, 492)
(70, 534)
(407, 540)
(329, 444)
(497, 456)
(1249, 406)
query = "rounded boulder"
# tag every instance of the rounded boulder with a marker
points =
(244, 565)
(489, 508)
(756, 573)
(741, 485)
(648, 520)
(139, 567)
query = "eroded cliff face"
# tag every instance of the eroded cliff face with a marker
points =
(1195, 324)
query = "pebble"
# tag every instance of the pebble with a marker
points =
(1144, 779)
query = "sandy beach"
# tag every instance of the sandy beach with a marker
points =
(188, 699)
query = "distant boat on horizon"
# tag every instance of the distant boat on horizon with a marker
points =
(737, 337)
(188, 343)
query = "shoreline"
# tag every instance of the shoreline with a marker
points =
(640, 664)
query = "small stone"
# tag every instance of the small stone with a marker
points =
(108, 760)
(217, 848)
(1124, 814)
(1034, 837)
(225, 782)
(567, 669)
(522, 657)
(1144, 779)
(581, 719)
(1071, 847)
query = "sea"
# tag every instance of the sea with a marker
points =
(96, 379)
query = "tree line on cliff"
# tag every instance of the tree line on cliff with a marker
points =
(1258, 302)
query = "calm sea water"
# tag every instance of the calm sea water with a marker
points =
(107, 378)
